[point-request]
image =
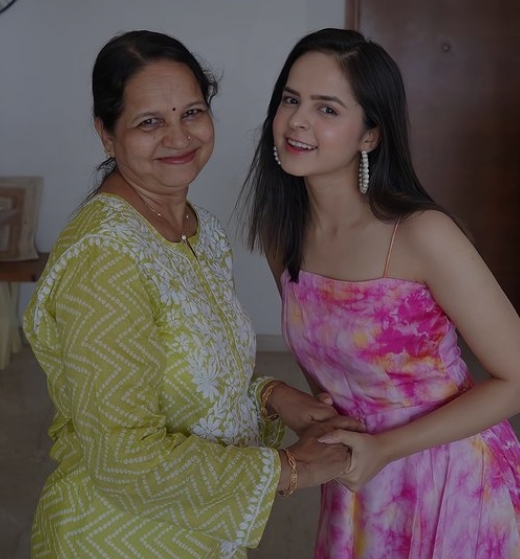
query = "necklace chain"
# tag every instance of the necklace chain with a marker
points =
(184, 237)
(159, 214)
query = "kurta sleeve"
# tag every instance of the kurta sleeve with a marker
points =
(272, 431)
(112, 372)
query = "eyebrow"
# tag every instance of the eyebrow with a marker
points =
(152, 113)
(332, 98)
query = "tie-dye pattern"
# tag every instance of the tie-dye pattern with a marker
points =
(387, 354)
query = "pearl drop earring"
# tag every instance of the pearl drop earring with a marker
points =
(275, 153)
(364, 174)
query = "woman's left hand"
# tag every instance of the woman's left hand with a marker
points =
(301, 411)
(368, 456)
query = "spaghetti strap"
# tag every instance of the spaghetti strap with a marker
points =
(387, 265)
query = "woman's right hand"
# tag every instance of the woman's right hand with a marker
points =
(316, 463)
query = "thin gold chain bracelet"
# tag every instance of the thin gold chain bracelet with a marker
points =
(265, 397)
(293, 480)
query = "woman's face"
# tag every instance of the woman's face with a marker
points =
(164, 135)
(318, 128)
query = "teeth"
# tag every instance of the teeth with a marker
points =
(299, 144)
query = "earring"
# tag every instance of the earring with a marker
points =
(275, 153)
(364, 174)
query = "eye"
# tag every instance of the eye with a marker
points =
(289, 100)
(328, 111)
(149, 123)
(194, 112)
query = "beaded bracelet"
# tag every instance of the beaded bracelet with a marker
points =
(293, 480)
(265, 397)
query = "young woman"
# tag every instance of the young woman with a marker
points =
(375, 278)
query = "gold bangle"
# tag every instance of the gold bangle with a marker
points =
(265, 397)
(293, 480)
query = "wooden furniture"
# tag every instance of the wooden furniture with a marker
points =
(11, 275)
(6, 215)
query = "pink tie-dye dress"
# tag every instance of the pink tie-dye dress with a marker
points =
(387, 354)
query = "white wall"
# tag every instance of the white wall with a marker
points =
(47, 49)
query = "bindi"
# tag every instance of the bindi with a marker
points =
(174, 108)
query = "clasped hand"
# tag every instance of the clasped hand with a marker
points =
(368, 456)
(311, 417)
(300, 411)
(314, 419)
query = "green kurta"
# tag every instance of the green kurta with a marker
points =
(149, 358)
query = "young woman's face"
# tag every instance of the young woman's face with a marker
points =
(318, 128)
(164, 136)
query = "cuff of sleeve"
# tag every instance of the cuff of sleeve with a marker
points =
(250, 532)
(271, 431)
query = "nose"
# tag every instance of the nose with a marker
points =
(176, 137)
(299, 119)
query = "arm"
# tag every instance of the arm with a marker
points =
(466, 290)
(469, 294)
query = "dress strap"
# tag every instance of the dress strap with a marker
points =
(387, 265)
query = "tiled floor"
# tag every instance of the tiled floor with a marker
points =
(25, 413)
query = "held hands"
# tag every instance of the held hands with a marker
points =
(301, 411)
(314, 463)
(309, 418)
(369, 455)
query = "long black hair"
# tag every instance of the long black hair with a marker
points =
(275, 203)
(122, 58)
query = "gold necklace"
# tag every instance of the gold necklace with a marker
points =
(184, 237)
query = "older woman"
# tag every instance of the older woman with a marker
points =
(163, 438)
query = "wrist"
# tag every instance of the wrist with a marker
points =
(390, 444)
(267, 409)
(288, 482)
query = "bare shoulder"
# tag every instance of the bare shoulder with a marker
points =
(432, 237)
(447, 262)
(431, 229)
(424, 242)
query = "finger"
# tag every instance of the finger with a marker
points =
(316, 430)
(323, 413)
(352, 487)
(325, 398)
(347, 423)
(337, 436)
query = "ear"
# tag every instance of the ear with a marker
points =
(106, 138)
(370, 139)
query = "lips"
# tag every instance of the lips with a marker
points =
(296, 146)
(178, 159)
